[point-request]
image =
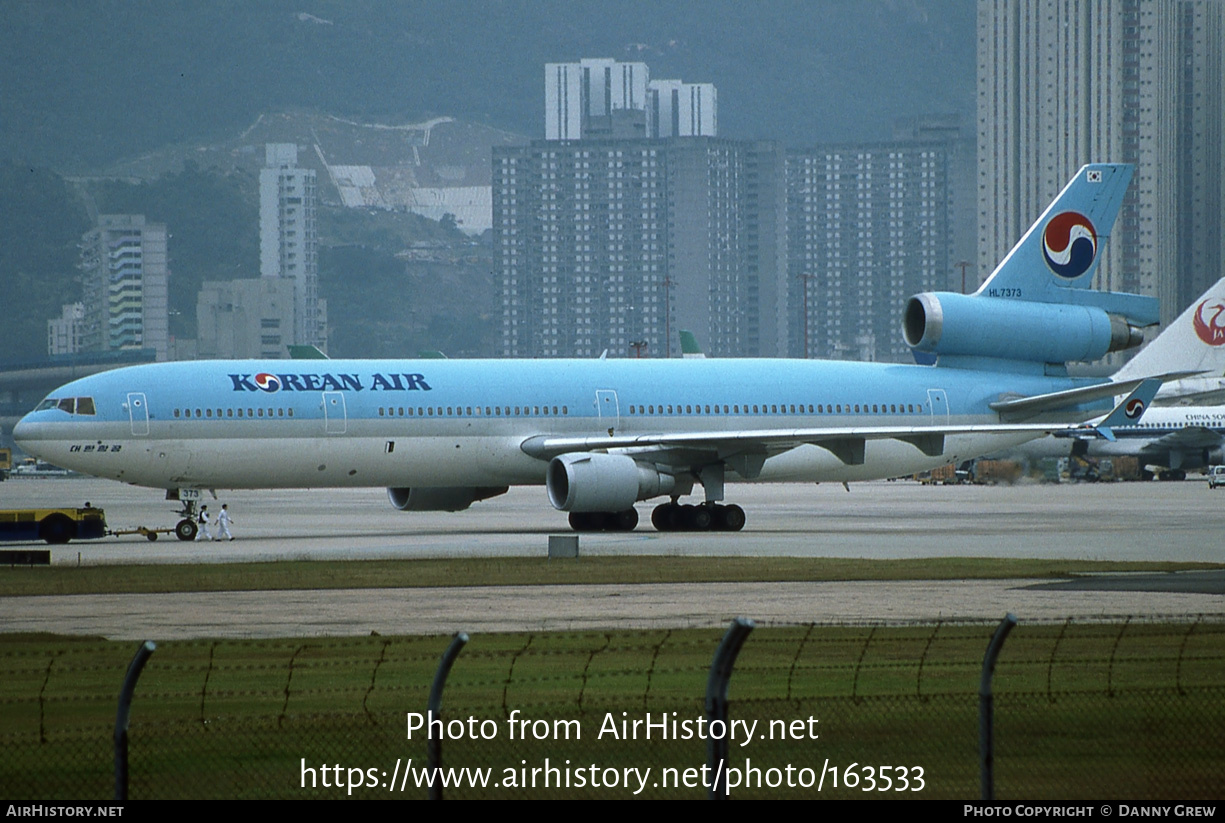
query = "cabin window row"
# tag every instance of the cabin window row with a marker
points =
(243, 413)
(473, 411)
(781, 408)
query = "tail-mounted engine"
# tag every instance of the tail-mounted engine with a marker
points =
(961, 325)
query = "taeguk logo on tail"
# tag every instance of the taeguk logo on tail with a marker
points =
(1134, 408)
(1069, 244)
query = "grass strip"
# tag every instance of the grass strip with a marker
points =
(527, 571)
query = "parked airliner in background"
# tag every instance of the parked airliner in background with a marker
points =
(1178, 434)
(1171, 439)
(604, 434)
(1194, 342)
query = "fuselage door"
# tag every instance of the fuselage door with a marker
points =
(939, 405)
(138, 413)
(606, 408)
(335, 420)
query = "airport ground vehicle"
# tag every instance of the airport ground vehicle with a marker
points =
(6, 463)
(55, 526)
(1216, 476)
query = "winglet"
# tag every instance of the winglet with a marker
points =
(1130, 410)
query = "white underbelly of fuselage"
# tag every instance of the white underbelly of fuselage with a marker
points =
(469, 461)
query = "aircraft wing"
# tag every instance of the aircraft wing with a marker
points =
(746, 449)
(1189, 438)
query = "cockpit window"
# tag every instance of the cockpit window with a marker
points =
(72, 405)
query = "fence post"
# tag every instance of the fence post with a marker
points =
(716, 702)
(986, 708)
(433, 744)
(123, 714)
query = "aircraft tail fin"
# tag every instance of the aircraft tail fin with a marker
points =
(1194, 342)
(689, 345)
(1067, 241)
(306, 352)
(1037, 310)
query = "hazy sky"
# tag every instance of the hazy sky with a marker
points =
(89, 82)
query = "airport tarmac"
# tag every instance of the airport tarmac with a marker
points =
(1127, 521)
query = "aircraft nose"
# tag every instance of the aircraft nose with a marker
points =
(21, 431)
(27, 432)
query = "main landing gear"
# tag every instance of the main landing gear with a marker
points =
(704, 517)
(667, 517)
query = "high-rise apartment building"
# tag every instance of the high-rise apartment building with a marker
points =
(288, 242)
(242, 319)
(595, 97)
(64, 332)
(616, 243)
(679, 109)
(868, 225)
(631, 221)
(598, 98)
(1201, 156)
(124, 279)
(1062, 83)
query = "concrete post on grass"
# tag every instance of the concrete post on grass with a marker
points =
(716, 701)
(986, 708)
(434, 742)
(123, 715)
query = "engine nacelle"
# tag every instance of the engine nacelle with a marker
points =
(958, 324)
(593, 482)
(440, 498)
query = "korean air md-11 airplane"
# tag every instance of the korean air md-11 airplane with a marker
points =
(601, 435)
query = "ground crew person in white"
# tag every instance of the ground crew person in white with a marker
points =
(203, 520)
(223, 523)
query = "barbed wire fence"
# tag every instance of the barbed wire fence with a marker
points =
(1084, 708)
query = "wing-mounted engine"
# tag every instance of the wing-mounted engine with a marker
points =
(440, 498)
(595, 482)
(956, 325)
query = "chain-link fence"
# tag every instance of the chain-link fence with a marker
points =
(1117, 708)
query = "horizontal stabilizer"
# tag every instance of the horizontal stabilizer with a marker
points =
(1021, 408)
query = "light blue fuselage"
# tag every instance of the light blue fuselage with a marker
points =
(446, 423)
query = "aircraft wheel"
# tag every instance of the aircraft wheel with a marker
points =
(186, 529)
(663, 518)
(57, 529)
(1178, 474)
(625, 521)
(731, 518)
(701, 518)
